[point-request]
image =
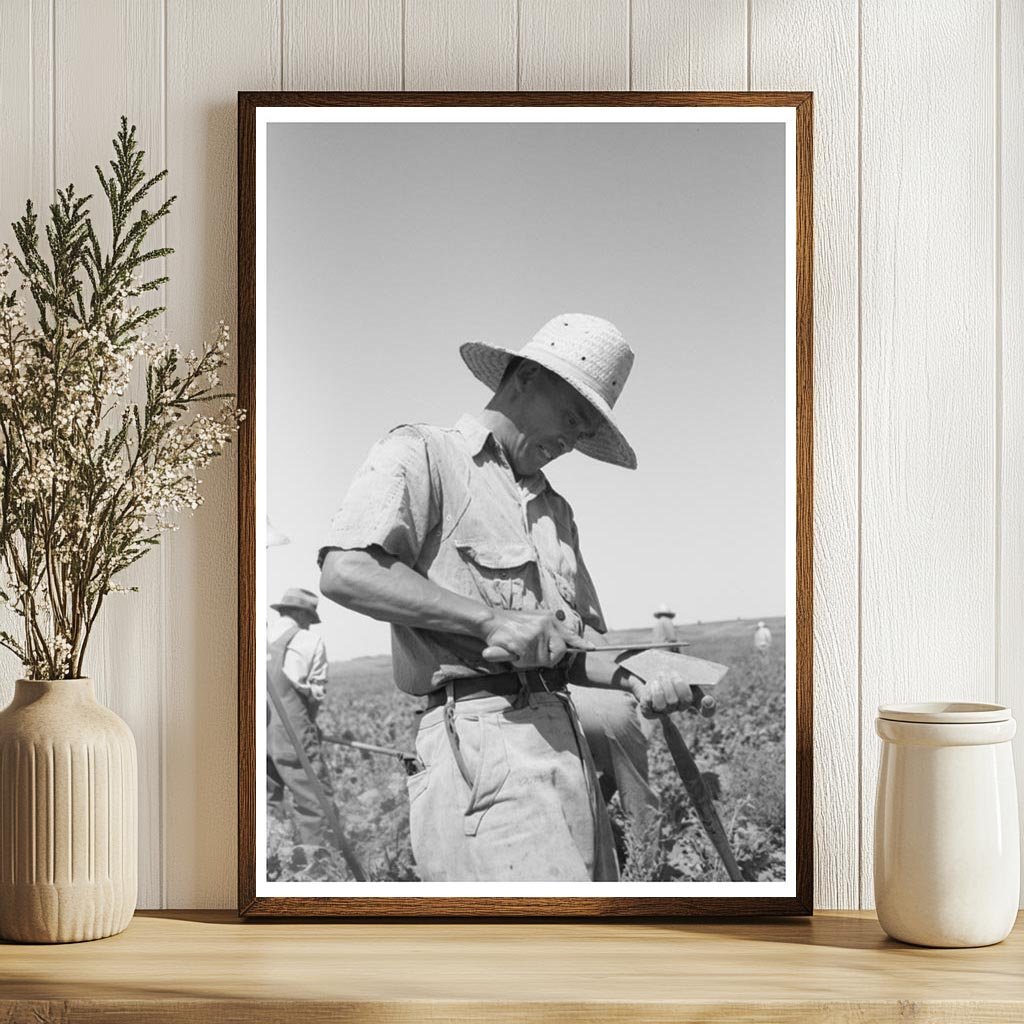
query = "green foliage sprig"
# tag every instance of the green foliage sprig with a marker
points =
(89, 477)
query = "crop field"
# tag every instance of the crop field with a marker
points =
(740, 751)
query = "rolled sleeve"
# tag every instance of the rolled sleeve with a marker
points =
(318, 665)
(317, 678)
(389, 503)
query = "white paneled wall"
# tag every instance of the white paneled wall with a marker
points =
(919, 324)
(928, 514)
(814, 46)
(1009, 260)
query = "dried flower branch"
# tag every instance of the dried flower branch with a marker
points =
(89, 478)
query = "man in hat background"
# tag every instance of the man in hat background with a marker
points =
(297, 670)
(664, 628)
(455, 537)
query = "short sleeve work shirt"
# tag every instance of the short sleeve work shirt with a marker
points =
(305, 661)
(444, 501)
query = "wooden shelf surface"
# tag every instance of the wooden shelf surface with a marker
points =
(200, 966)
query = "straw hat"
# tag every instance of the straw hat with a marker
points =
(585, 351)
(297, 598)
(664, 612)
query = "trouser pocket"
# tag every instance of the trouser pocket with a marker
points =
(416, 785)
(478, 748)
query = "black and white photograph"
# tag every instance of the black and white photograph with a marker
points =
(525, 496)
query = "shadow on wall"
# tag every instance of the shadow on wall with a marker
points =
(201, 560)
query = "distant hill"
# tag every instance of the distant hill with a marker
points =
(716, 641)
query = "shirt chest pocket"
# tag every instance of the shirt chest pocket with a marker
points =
(564, 578)
(563, 583)
(505, 575)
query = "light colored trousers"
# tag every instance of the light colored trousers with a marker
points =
(534, 810)
(617, 735)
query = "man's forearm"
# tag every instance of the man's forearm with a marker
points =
(379, 585)
(599, 669)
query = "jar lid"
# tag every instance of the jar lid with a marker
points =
(945, 713)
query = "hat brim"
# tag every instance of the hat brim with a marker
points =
(488, 364)
(297, 608)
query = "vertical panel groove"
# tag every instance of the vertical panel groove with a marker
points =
(860, 462)
(32, 169)
(113, 841)
(53, 97)
(570, 45)
(519, 34)
(997, 319)
(749, 45)
(33, 803)
(51, 806)
(90, 803)
(696, 44)
(16, 804)
(1011, 321)
(69, 832)
(6, 821)
(629, 49)
(162, 607)
(4, 827)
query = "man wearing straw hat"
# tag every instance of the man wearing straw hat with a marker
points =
(297, 669)
(455, 537)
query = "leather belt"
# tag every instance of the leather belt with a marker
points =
(501, 684)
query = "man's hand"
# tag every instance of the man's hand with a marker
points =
(661, 694)
(529, 639)
(316, 692)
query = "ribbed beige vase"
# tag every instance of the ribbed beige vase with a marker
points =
(68, 815)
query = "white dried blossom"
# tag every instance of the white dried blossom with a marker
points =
(88, 482)
(105, 428)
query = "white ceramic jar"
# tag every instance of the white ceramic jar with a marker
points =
(947, 847)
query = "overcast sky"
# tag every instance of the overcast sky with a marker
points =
(389, 245)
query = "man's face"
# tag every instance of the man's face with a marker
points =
(300, 617)
(549, 418)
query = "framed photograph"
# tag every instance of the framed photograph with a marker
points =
(525, 500)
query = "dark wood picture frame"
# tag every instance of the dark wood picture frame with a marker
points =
(249, 904)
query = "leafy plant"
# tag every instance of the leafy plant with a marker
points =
(88, 477)
(741, 752)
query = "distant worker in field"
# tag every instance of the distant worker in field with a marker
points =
(664, 627)
(762, 638)
(455, 536)
(297, 670)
